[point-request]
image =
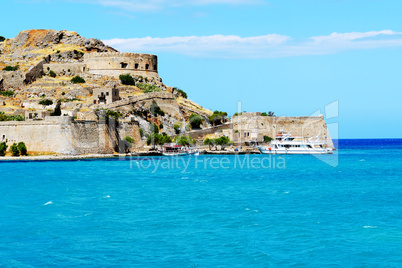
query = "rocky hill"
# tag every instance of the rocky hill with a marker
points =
(27, 85)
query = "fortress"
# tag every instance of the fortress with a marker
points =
(116, 63)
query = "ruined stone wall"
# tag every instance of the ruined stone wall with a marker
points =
(116, 63)
(59, 136)
(34, 72)
(12, 79)
(63, 68)
(258, 126)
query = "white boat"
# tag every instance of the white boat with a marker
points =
(285, 143)
(172, 149)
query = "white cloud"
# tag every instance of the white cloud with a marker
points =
(266, 46)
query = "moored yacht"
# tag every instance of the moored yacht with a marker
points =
(285, 143)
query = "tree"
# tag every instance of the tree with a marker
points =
(141, 132)
(267, 139)
(22, 148)
(185, 140)
(46, 102)
(52, 74)
(14, 150)
(127, 79)
(217, 118)
(165, 139)
(154, 128)
(209, 142)
(222, 141)
(3, 148)
(176, 128)
(57, 109)
(154, 139)
(2, 38)
(195, 121)
(77, 80)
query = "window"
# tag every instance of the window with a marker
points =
(146, 66)
(123, 65)
(155, 67)
(107, 93)
(136, 66)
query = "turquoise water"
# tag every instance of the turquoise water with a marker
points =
(209, 211)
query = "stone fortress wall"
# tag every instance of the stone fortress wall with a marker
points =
(117, 63)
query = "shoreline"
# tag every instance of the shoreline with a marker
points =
(103, 156)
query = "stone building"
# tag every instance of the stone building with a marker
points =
(116, 63)
(105, 95)
(36, 115)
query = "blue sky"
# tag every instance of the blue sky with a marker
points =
(292, 57)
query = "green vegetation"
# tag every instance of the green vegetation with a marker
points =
(158, 139)
(185, 140)
(160, 126)
(182, 93)
(52, 74)
(57, 109)
(78, 54)
(2, 38)
(218, 117)
(3, 148)
(209, 142)
(141, 132)
(267, 139)
(156, 110)
(222, 141)
(237, 114)
(63, 93)
(14, 150)
(176, 128)
(113, 114)
(146, 88)
(22, 148)
(270, 113)
(46, 102)
(127, 79)
(77, 80)
(7, 93)
(195, 121)
(11, 68)
(4, 117)
(154, 128)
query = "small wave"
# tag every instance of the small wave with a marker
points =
(48, 203)
(362, 160)
(370, 227)
(108, 196)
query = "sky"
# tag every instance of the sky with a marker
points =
(339, 58)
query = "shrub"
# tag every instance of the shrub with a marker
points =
(22, 148)
(52, 74)
(182, 93)
(2, 38)
(14, 150)
(127, 79)
(77, 80)
(146, 88)
(63, 93)
(4, 117)
(156, 110)
(185, 140)
(217, 118)
(141, 132)
(46, 102)
(7, 93)
(11, 68)
(176, 128)
(267, 139)
(129, 140)
(195, 121)
(270, 113)
(3, 148)
(113, 114)
(154, 128)
(160, 126)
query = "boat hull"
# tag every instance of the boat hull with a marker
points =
(295, 151)
(174, 154)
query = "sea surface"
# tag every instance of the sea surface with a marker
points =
(340, 210)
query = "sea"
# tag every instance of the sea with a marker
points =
(339, 210)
